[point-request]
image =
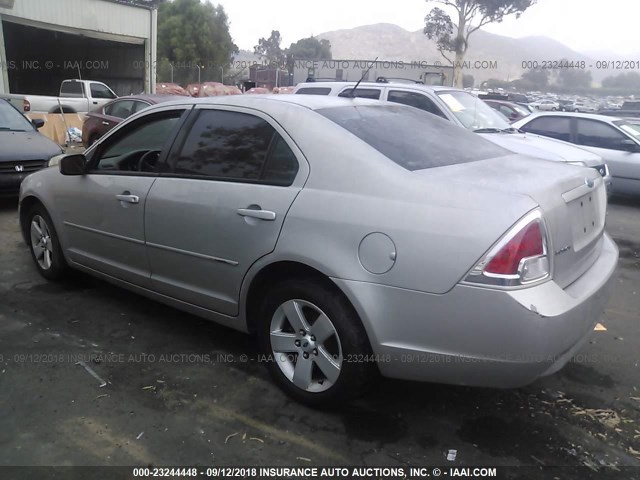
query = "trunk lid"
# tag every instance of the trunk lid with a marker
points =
(573, 201)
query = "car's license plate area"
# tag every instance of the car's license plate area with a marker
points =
(587, 218)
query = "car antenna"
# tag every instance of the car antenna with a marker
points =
(366, 72)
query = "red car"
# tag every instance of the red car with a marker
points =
(511, 110)
(102, 120)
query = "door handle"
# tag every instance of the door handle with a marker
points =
(128, 198)
(106, 124)
(259, 214)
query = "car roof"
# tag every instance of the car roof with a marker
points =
(312, 102)
(592, 116)
(411, 85)
(150, 98)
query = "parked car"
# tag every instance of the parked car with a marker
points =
(546, 105)
(22, 149)
(253, 220)
(616, 140)
(102, 120)
(564, 104)
(466, 110)
(512, 111)
(581, 107)
(76, 96)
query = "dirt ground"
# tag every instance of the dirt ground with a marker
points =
(181, 391)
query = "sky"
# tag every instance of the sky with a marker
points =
(584, 25)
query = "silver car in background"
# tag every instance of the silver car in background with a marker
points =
(616, 140)
(351, 237)
(466, 110)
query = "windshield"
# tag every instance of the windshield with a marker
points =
(12, 120)
(632, 129)
(472, 112)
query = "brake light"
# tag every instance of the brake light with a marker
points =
(521, 257)
(526, 243)
(26, 105)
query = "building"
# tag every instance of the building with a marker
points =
(43, 42)
(367, 70)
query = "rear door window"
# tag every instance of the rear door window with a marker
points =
(371, 93)
(225, 145)
(121, 109)
(554, 127)
(592, 133)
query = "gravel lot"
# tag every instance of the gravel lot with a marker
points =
(182, 391)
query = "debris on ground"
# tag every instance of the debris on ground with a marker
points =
(92, 373)
(451, 456)
(230, 437)
(139, 436)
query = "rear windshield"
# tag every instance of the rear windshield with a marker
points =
(413, 139)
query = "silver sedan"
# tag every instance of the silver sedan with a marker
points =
(351, 237)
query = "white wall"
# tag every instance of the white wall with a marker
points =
(92, 16)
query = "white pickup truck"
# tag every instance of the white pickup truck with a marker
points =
(76, 96)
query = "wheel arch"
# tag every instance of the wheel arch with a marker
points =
(26, 205)
(274, 272)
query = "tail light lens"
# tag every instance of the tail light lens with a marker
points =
(520, 258)
(26, 105)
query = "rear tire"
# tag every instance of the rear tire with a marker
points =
(44, 245)
(317, 349)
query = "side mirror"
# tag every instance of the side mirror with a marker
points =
(630, 146)
(73, 164)
(38, 123)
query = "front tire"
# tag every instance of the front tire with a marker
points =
(318, 350)
(45, 246)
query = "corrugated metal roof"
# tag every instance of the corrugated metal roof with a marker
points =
(104, 16)
(148, 4)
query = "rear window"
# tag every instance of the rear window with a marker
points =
(413, 139)
(314, 91)
(71, 89)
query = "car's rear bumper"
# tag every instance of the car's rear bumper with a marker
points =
(479, 336)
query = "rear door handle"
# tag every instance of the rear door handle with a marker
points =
(260, 214)
(128, 198)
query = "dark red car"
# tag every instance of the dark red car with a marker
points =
(511, 110)
(104, 119)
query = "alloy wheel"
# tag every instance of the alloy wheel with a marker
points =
(41, 242)
(306, 346)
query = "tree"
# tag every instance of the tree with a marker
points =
(193, 32)
(310, 49)
(574, 78)
(468, 81)
(534, 80)
(628, 80)
(270, 49)
(469, 15)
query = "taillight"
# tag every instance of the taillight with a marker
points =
(521, 257)
(26, 105)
